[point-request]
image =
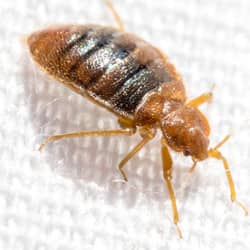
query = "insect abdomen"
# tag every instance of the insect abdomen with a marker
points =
(116, 68)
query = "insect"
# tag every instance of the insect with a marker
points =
(135, 81)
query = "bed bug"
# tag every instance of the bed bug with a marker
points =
(135, 81)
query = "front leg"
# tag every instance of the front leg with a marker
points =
(167, 174)
(215, 153)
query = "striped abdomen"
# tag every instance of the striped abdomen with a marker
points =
(117, 69)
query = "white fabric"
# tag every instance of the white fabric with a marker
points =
(68, 197)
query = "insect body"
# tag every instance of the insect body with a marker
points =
(136, 82)
(116, 69)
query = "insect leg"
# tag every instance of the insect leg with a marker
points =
(146, 138)
(206, 97)
(118, 19)
(214, 153)
(167, 174)
(86, 133)
(126, 123)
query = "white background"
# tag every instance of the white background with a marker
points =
(71, 196)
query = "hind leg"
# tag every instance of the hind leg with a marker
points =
(115, 132)
(115, 14)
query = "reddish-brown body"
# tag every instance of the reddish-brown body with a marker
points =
(121, 72)
(115, 68)
(135, 81)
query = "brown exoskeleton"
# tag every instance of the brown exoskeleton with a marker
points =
(134, 80)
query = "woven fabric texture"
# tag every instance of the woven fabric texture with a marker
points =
(71, 196)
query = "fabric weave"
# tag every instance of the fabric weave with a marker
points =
(71, 196)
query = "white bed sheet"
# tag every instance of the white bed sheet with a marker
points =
(71, 196)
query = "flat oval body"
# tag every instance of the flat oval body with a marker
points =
(114, 68)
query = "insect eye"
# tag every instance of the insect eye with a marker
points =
(186, 152)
